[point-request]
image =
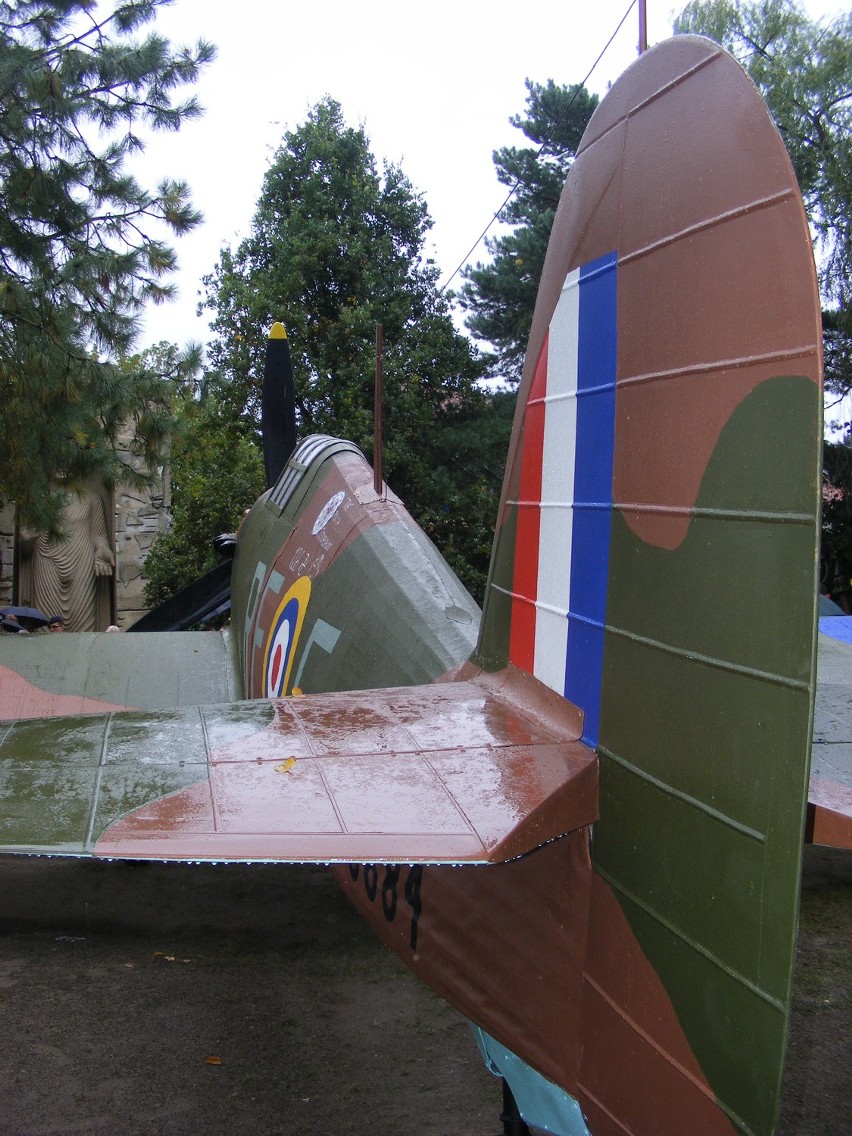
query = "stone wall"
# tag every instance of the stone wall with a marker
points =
(140, 516)
(7, 553)
(139, 519)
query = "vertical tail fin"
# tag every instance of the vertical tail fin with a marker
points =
(659, 312)
(655, 553)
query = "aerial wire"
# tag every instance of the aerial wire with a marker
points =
(539, 152)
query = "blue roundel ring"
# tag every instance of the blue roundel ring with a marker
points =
(283, 638)
(281, 646)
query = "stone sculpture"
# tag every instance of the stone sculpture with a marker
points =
(71, 577)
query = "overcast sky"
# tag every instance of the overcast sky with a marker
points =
(434, 85)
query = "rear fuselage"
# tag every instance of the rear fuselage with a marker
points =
(336, 588)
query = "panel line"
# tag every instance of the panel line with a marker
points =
(733, 363)
(622, 1013)
(740, 979)
(754, 206)
(711, 660)
(685, 798)
(762, 516)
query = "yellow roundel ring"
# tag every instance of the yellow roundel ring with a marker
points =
(280, 648)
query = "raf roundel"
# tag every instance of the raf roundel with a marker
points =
(283, 638)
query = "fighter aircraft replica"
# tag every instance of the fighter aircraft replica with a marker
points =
(580, 818)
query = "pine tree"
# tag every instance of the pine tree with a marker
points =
(335, 247)
(501, 295)
(77, 261)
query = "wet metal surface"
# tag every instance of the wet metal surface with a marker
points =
(78, 673)
(449, 773)
(706, 687)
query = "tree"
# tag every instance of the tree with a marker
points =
(336, 247)
(803, 69)
(216, 473)
(501, 295)
(167, 379)
(463, 484)
(836, 544)
(77, 261)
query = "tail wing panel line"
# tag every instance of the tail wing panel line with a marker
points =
(374, 776)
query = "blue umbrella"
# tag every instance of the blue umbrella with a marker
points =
(827, 606)
(26, 616)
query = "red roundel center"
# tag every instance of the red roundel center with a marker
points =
(276, 665)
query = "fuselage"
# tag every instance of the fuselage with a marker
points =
(336, 588)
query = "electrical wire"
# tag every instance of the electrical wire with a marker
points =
(539, 152)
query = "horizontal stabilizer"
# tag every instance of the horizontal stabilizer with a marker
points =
(463, 772)
(83, 672)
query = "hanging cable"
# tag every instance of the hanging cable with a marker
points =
(539, 152)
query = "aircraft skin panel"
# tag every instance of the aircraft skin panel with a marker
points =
(90, 672)
(563, 507)
(596, 370)
(628, 1012)
(485, 939)
(518, 613)
(829, 813)
(373, 580)
(457, 772)
(20, 698)
(706, 688)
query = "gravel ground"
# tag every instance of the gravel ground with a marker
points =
(180, 1000)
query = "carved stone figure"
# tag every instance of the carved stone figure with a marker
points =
(70, 578)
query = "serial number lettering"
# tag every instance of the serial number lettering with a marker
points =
(388, 893)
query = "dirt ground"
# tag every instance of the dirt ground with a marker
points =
(180, 1000)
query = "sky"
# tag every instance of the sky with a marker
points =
(434, 85)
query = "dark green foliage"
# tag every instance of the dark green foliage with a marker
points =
(165, 377)
(501, 295)
(77, 261)
(836, 551)
(837, 359)
(335, 247)
(216, 473)
(452, 483)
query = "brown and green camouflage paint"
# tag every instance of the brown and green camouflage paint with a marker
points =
(709, 639)
(379, 589)
(704, 741)
(642, 964)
